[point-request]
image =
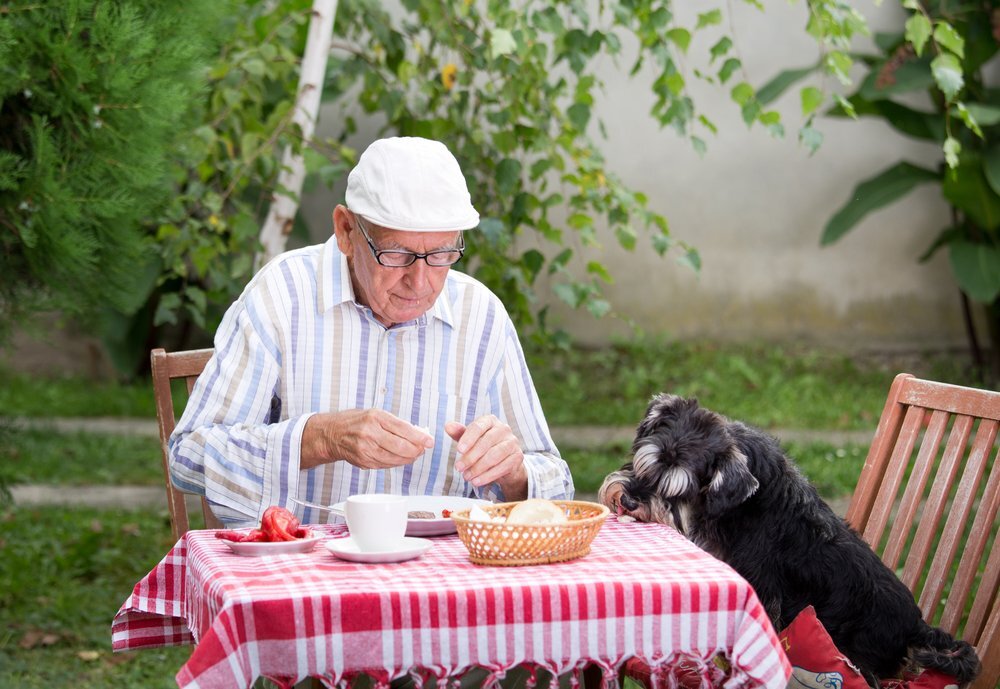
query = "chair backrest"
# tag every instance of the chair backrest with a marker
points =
(167, 367)
(928, 495)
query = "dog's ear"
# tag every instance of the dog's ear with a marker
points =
(661, 407)
(731, 485)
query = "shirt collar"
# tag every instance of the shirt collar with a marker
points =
(336, 288)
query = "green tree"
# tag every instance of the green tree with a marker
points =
(225, 172)
(93, 96)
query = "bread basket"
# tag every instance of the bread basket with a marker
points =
(499, 543)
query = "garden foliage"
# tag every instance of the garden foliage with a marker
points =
(93, 96)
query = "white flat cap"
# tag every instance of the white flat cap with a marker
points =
(412, 184)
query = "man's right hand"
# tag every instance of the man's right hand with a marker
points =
(367, 438)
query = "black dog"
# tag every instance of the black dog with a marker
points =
(730, 489)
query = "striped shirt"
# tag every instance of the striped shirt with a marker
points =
(296, 342)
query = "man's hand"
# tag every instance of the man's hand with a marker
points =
(489, 451)
(366, 438)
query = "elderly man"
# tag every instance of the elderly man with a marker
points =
(366, 364)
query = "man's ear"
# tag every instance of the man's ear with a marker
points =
(343, 226)
(731, 485)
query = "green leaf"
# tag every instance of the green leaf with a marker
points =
(533, 260)
(951, 149)
(839, 64)
(918, 31)
(166, 309)
(967, 188)
(947, 37)
(598, 307)
(566, 293)
(966, 116)
(977, 269)
(680, 37)
(874, 193)
(984, 114)
(492, 230)
(991, 168)
(502, 43)
(845, 106)
(579, 221)
(774, 88)
(811, 98)
(579, 115)
(598, 269)
(912, 5)
(742, 93)
(811, 138)
(727, 69)
(721, 47)
(947, 71)
(709, 19)
(626, 236)
(508, 175)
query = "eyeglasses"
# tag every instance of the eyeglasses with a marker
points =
(397, 258)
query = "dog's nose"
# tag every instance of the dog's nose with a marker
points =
(627, 502)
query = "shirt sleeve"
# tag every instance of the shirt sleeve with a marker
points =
(515, 401)
(229, 445)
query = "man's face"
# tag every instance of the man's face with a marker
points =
(395, 295)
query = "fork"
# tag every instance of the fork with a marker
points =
(316, 505)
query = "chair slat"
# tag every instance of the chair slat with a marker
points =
(859, 511)
(980, 534)
(958, 517)
(937, 502)
(893, 477)
(914, 492)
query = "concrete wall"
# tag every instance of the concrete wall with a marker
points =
(755, 207)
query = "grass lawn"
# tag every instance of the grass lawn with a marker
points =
(63, 575)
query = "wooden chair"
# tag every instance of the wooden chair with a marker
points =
(928, 496)
(166, 367)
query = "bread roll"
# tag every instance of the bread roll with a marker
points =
(537, 511)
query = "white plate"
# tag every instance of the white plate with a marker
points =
(260, 548)
(347, 549)
(439, 526)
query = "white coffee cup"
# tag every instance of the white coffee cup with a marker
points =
(377, 521)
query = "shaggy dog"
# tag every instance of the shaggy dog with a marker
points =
(729, 488)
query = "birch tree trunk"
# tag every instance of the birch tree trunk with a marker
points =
(285, 203)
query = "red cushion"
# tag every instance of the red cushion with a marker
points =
(816, 662)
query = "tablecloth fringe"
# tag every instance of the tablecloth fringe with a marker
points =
(679, 671)
(448, 678)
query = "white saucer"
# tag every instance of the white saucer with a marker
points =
(347, 549)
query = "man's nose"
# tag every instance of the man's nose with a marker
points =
(418, 273)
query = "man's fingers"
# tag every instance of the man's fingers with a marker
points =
(496, 463)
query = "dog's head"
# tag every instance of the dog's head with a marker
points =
(684, 459)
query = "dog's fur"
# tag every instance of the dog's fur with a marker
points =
(731, 489)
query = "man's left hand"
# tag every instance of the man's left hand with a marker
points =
(490, 452)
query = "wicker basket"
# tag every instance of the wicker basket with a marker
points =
(499, 543)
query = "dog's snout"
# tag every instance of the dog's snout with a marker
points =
(628, 502)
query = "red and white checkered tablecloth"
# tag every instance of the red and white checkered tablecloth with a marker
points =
(643, 591)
